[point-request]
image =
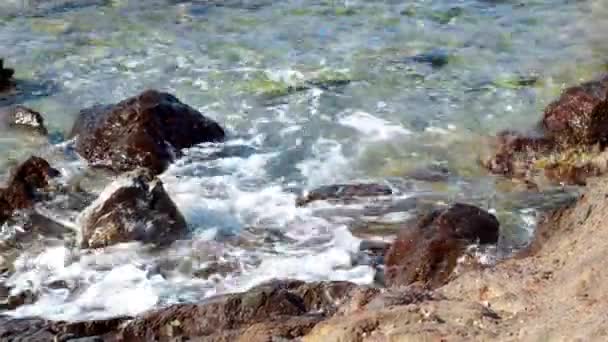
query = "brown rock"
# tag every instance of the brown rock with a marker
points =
(135, 207)
(148, 130)
(40, 330)
(573, 118)
(287, 309)
(23, 118)
(515, 152)
(344, 192)
(428, 251)
(23, 186)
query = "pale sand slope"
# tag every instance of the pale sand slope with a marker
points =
(559, 293)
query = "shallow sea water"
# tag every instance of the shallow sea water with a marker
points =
(311, 93)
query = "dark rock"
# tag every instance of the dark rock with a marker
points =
(14, 301)
(575, 119)
(39, 330)
(148, 130)
(6, 77)
(430, 173)
(428, 251)
(135, 207)
(22, 117)
(273, 311)
(436, 58)
(24, 185)
(278, 309)
(344, 192)
(216, 268)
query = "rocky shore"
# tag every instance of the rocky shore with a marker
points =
(432, 288)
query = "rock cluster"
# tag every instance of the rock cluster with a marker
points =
(567, 146)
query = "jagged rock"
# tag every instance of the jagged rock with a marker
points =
(24, 185)
(22, 117)
(565, 147)
(278, 309)
(574, 118)
(147, 130)
(344, 192)
(428, 251)
(135, 207)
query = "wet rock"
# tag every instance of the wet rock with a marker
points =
(436, 58)
(11, 302)
(40, 330)
(430, 173)
(428, 251)
(567, 145)
(25, 185)
(147, 130)
(135, 207)
(6, 77)
(24, 118)
(344, 192)
(278, 309)
(516, 152)
(579, 116)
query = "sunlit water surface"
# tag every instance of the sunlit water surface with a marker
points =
(311, 93)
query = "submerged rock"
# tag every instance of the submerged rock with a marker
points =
(135, 207)
(24, 185)
(147, 130)
(6, 77)
(428, 251)
(22, 117)
(344, 192)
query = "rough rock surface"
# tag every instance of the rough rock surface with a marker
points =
(427, 252)
(22, 117)
(344, 192)
(6, 76)
(22, 189)
(147, 130)
(574, 118)
(278, 309)
(135, 207)
(567, 145)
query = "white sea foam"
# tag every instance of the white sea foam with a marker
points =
(372, 127)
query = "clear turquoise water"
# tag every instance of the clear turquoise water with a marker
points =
(312, 93)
